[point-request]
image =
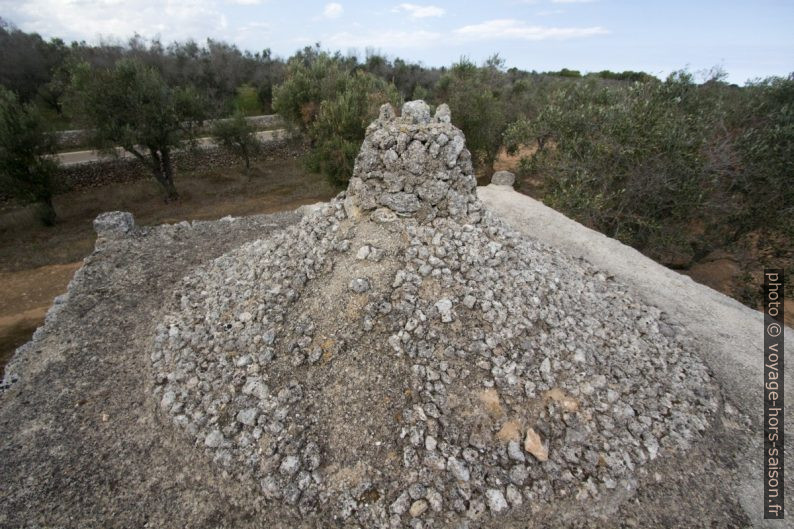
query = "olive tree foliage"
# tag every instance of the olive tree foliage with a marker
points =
(670, 167)
(130, 105)
(216, 69)
(629, 161)
(332, 105)
(474, 95)
(238, 136)
(27, 171)
(766, 149)
(312, 76)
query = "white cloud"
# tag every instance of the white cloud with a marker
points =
(572, 1)
(550, 12)
(333, 10)
(518, 30)
(417, 11)
(79, 19)
(245, 2)
(250, 35)
(388, 39)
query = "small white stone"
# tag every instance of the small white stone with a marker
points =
(214, 439)
(435, 499)
(248, 416)
(458, 469)
(496, 500)
(652, 445)
(469, 301)
(545, 366)
(168, 400)
(514, 496)
(289, 465)
(359, 285)
(418, 508)
(363, 252)
(444, 307)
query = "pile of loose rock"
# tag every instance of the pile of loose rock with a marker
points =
(401, 358)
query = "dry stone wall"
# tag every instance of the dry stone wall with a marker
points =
(414, 166)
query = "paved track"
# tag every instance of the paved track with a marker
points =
(81, 157)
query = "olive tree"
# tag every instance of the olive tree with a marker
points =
(237, 135)
(474, 95)
(332, 105)
(626, 160)
(132, 107)
(766, 147)
(28, 172)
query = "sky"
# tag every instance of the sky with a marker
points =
(747, 39)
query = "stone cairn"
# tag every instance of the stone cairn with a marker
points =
(400, 358)
(415, 166)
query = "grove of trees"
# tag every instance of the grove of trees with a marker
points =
(671, 166)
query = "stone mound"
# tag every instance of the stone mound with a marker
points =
(401, 358)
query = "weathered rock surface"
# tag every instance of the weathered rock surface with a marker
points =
(114, 224)
(503, 178)
(415, 166)
(272, 389)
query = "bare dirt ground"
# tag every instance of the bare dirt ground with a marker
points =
(37, 262)
(27, 294)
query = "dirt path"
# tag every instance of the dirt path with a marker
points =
(27, 295)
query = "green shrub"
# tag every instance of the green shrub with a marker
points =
(246, 101)
(238, 136)
(565, 72)
(475, 98)
(27, 171)
(333, 106)
(626, 75)
(766, 147)
(628, 161)
(309, 81)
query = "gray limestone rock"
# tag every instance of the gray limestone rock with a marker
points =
(496, 500)
(503, 178)
(114, 224)
(414, 166)
(416, 112)
(359, 285)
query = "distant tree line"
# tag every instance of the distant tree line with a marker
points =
(642, 159)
